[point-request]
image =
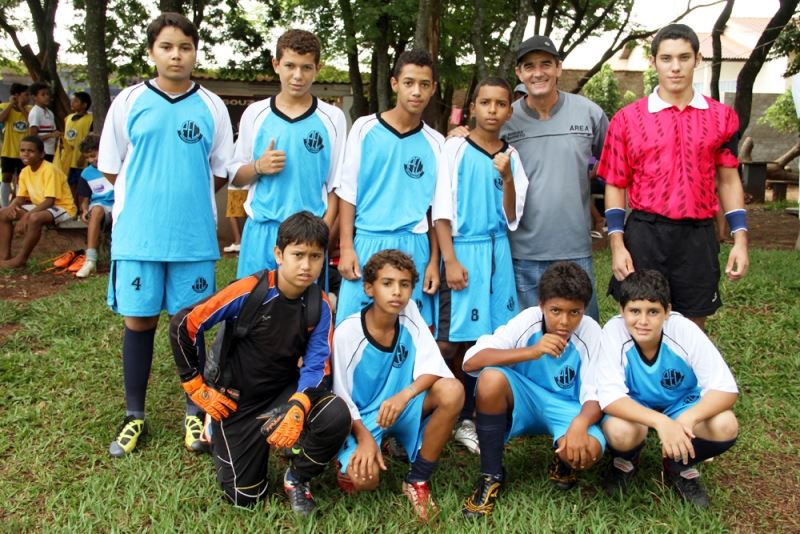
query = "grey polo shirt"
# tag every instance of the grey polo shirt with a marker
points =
(555, 154)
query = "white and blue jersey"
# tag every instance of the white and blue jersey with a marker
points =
(686, 366)
(165, 151)
(366, 373)
(314, 146)
(102, 189)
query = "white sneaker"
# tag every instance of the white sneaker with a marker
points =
(465, 434)
(233, 247)
(88, 268)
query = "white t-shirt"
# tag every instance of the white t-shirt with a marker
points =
(45, 121)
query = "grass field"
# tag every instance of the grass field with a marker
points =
(61, 401)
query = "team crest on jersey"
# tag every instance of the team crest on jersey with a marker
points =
(72, 134)
(688, 399)
(399, 356)
(190, 132)
(20, 126)
(498, 182)
(510, 304)
(414, 168)
(672, 378)
(566, 377)
(200, 285)
(314, 142)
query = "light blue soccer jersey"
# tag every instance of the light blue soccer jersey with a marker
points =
(390, 177)
(570, 375)
(469, 190)
(102, 189)
(165, 152)
(314, 146)
(687, 365)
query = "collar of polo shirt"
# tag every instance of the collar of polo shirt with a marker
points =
(655, 103)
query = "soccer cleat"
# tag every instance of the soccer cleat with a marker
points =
(561, 474)
(391, 447)
(481, 502)
(465, 434)
(66, 258)
(128, 435)
(77, 263)
(88, 267)
(419, 493)
(233, 247)
(619, 475)
(688, 485)
(299, 495)
(194, 437)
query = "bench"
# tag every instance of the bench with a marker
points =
(779, 187)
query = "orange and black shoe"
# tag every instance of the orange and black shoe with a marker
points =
(77, 263)
(561, 474)
(481, 502)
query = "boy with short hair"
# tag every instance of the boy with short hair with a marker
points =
(289, 150)
(41, 120)
(387, 185)
(389, 371)
(280, 367)
(97, 205)
(164, 146)
(77, 126)
(659, 370)
(536, 376)
(480, 195)
(14, 117)
(43, 198)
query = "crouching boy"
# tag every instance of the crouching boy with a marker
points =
(659, 370)
(389, 370)
(535, 376)
(273, 379)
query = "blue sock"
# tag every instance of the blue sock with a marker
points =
(468, 411)
(491, 436)
(703, 450)
(137, 359)
(421, 470)
(191, 408)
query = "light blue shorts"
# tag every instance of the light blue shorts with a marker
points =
(541, 412)
(351, 294)
(679, 406)
(258, 247)
(408, 430)
(490, 298)
(144, 288)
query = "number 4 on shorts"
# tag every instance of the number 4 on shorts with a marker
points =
(137, 283)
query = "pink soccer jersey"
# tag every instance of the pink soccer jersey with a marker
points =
(667, 158)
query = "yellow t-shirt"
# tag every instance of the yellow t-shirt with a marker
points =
(69, 148)
(46, 181)
(15, 128)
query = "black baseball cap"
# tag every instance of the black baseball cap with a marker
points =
(540, 43)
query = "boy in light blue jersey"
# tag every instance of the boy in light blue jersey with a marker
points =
(387, 185)
(535, 376)
(165, 145)
(659, 370)
(289, 151)
(389, 371)
(480, 194)
(97, 200)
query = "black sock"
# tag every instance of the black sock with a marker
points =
(632, 455)
(491, 436)
(191, 409)
(421, 470)
(137, 358)
(703, 450)
(468, 411)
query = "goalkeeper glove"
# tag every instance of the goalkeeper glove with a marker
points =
(283, 425)
(211, 401)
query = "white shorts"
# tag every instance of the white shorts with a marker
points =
(60, 215)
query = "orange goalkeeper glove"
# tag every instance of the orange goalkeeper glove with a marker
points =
(211, 401)
(283, 425)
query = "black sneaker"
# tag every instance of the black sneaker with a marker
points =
(481, 502)
(299, 495)
(617, 479)
(561, 475)
(688, 485)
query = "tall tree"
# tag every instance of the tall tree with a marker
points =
(716, 44)
(97, 59)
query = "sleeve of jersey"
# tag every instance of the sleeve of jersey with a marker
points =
(505, 337)
(343, 366)
(520, 187)
(317, 359)
(726, 155)
(50, 177)
(243, 148)
(114, 139)
(347, 188)
(222, 149)
(428, 358)
(707, 363)
(444, 200)
(339, 136)
(614, 167)
(34, 117)
(190, 323)
(591, 337)
(609, 370)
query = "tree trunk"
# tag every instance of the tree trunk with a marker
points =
(786, 158)
(96, 60)
(360, 104)
(171, 6)
(509, 61)
(373, 82)
(382, 63)
(744, 83)
(746, 150)
(422, 31)
(477, 41)
(716, 43)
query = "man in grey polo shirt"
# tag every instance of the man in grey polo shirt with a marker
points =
(556, 135)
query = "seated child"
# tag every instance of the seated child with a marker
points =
(97, 200)
(535, 376)
(659, 370)
(43, 198)
(281, 363)
(388, 369)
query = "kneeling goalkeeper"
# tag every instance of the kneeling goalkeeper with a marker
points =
(272, 378)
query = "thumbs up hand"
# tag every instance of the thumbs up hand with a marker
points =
(502, 162)
(272, 161)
